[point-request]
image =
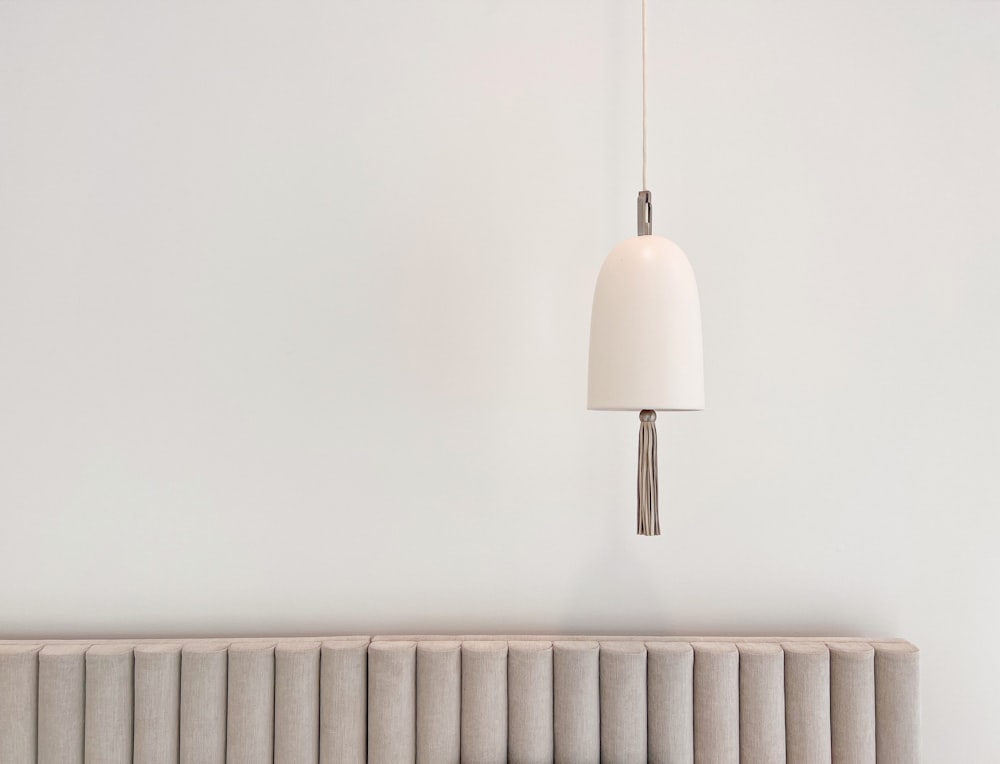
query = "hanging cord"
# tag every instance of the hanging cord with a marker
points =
(644, 120)
(644, 204)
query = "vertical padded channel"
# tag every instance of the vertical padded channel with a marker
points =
(484, 702)
(577, 702)
(439, 702)
(250, 704)
(204, 668)
(392, 696)
(529, 702)
(18, 704)
(762, 703)
(296, 703)
(343, 702)
(716, 703)
(157, 704)
(623, 702)
(897, 703)
(852, 702)
(807, 703)
(670, 702)
(108, 712)
(61, 703)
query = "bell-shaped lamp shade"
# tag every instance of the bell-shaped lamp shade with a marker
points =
(645, 331)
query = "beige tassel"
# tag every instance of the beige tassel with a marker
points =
(649, 511)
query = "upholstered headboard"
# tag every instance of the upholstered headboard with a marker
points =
(470, 699)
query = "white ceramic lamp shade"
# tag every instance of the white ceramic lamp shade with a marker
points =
(645, 331)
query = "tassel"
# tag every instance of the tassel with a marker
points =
(648, 489)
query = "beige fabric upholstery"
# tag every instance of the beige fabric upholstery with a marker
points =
(807, 703)
(61, 703)
(484, 702)
(157, 704)
(716, 703)
(529, 702)
(577, 702)
(897, 703)
(439, 702)
(762, 703)
(204, 683)
(349, 700)
(344, 702)
(670, 700)
(250, 704)
(852, 703)
(18, 703)
(623, 702)
(296, 703)
(392, 708)
(109, 704)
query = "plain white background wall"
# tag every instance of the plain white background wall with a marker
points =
(294, 304)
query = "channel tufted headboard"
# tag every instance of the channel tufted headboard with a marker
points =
(479, 699)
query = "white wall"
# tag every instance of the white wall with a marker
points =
(294, 302)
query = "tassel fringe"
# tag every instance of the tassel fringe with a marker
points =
(648, 487)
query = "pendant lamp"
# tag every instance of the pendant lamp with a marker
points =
(645, 335)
